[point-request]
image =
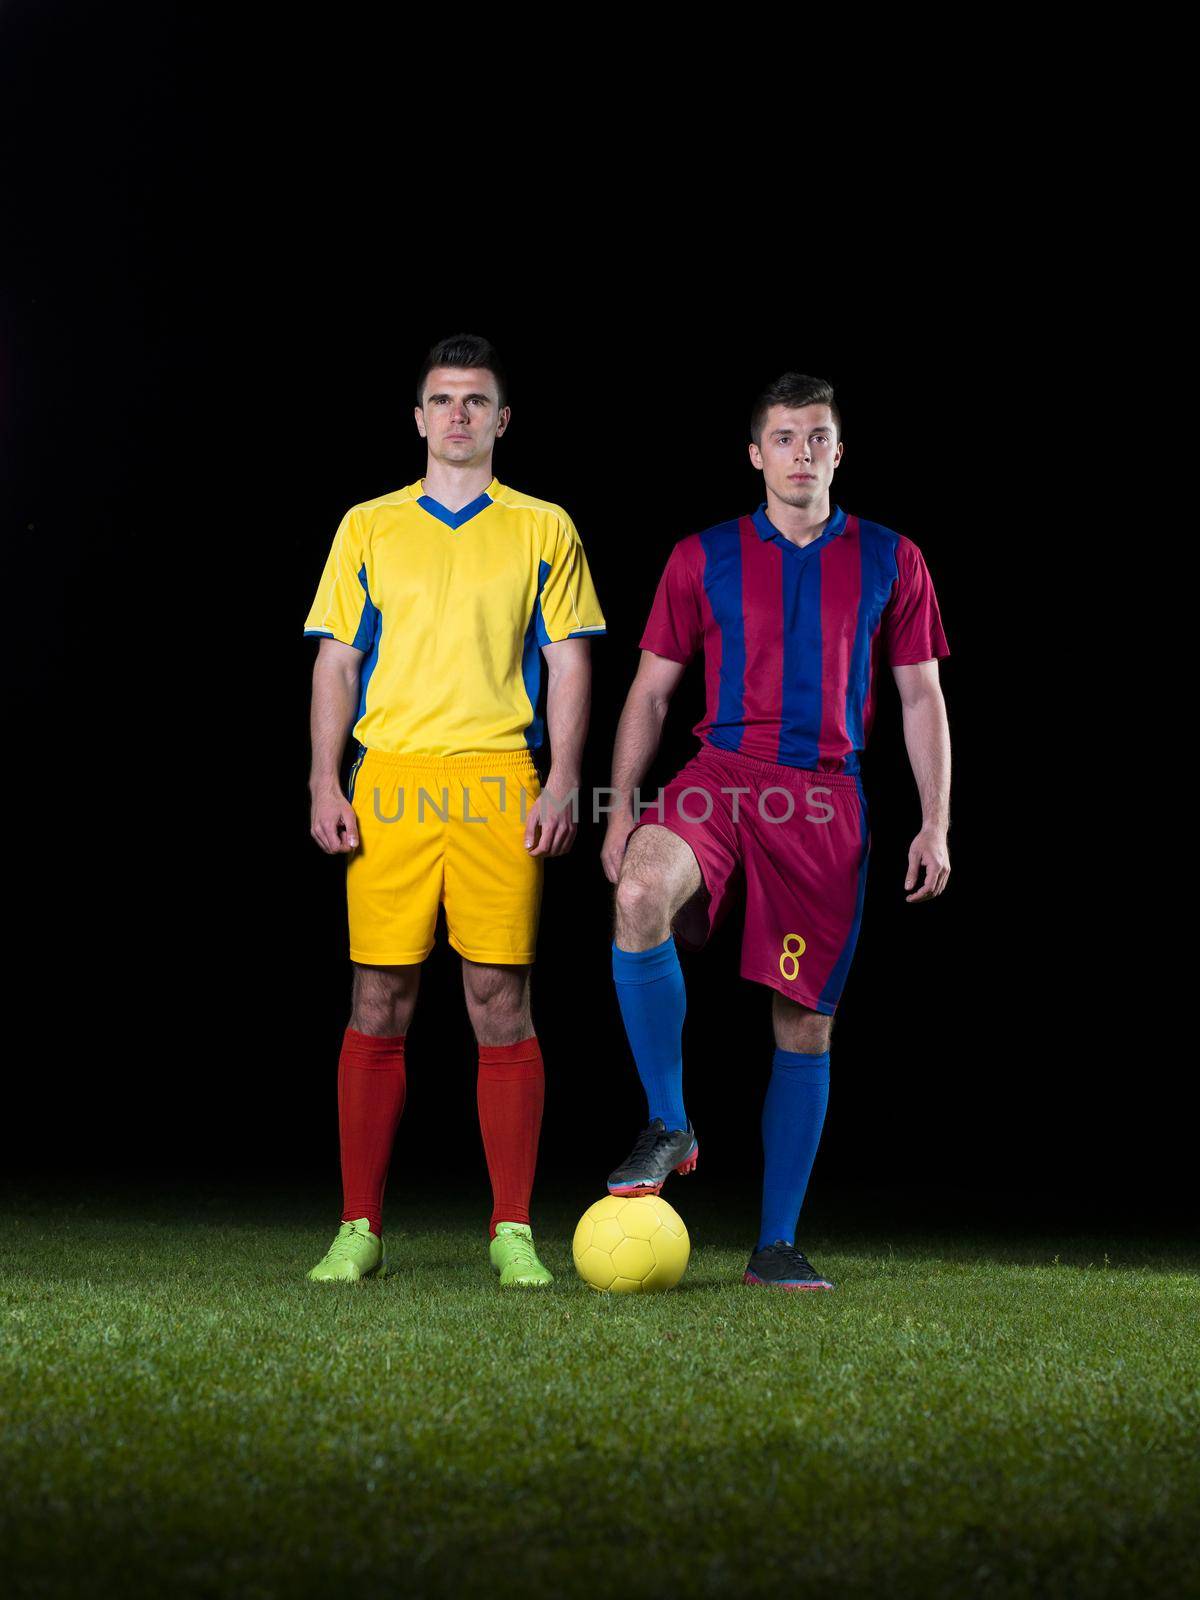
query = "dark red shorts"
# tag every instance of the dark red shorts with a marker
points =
(798, 841)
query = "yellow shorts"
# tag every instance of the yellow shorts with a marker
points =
(446, 830)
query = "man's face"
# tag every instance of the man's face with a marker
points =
(799, 452)
(461, 416)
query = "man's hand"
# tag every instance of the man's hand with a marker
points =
(551, 819)
(620, 825)
(929, 850)
(334, 825)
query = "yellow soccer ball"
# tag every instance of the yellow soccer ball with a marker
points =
(631, 1243)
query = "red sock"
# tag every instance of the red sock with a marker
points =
(371, 1087)
(510, 1091)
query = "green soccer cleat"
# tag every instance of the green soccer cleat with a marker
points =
(355, 1254)
(514, 1257)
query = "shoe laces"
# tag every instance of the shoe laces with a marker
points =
(792, 1258)
(522, 1254)
(646, 1144)
(347, 1236)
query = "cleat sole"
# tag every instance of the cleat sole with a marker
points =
(761, 1283)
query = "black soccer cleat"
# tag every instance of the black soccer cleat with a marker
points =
(656, 1153)
(782, 1266)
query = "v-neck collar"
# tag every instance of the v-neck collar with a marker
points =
(454, 519)
(766, 529)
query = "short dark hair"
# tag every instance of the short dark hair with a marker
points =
(463, 350)
(794, 389)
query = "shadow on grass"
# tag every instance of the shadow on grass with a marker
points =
(906, 1227)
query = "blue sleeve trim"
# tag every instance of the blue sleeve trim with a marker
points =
(532, 666)
(370, 631)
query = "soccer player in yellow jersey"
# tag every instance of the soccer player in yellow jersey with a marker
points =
(436, 609)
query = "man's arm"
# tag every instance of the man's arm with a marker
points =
(568, 704)
(927, 739)
(334, 703)
(639, 734)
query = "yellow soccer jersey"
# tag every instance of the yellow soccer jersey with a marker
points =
(450, 610)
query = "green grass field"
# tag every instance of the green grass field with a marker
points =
(183, 1415)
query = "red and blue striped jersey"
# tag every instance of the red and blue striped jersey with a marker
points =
(791, 634)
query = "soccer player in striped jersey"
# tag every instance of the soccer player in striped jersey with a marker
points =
(793, 606)
(437, 607)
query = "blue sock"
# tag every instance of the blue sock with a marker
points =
(653, 1002)
(792, 1119)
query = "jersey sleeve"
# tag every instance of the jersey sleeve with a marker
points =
(674, 628)
(342, 608)
(568, 607)
(912, 624)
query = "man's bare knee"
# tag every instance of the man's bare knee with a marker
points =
(384, 999)
(642, 915)
(799, 1028)
(658, 876)
(497, 1002)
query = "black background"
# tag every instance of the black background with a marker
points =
(213, 323)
